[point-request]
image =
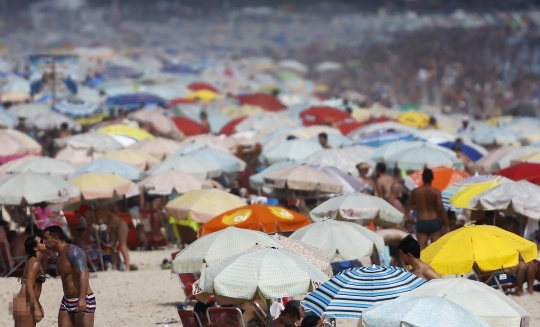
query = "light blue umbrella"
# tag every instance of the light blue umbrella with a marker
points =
(7, 118)
(421, 311)
(229, 163)
(193, 146)
(494, 136)
(76, 108)
(109, 166)
(335, 140)
(297, 149)
(350, 292)
(378, 139)
(257, 181)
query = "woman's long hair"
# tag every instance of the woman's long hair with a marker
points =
(29, 246)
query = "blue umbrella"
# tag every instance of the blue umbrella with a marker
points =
(76, 108)
(135, 100)
(469, 151)
(348, 293)
(113, 72)
(378, 139)
(109, 166)
(7, 118)
(229, 163)
(179, 69)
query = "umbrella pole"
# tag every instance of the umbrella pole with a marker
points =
(97, 238)
(268, 314)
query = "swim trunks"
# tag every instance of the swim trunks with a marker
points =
(70, 305)
(428, 226)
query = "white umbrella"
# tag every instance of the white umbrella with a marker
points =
(77, 156)
(264, 121)
(424, 155)
(293, 65)
(173, 180)
(200, 168)
(92, 141)
(42, 165)
(158, 147)
(50, 120)
(494, 136)
(30, 188)
(505, 160)
(327, 66)
(351, 240)
(29, 110)
(291, 150)
(345, 159)
(302, 178)
(358, 133)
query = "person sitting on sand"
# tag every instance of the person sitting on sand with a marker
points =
(410, 254)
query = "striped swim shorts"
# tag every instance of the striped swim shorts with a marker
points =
(70, 305)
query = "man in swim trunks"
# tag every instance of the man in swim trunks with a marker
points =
(79, 303)
(410, 253)
(427, 201)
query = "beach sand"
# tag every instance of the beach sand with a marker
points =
(144, 297)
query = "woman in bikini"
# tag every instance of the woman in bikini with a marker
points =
(27, 311)
(117, 229)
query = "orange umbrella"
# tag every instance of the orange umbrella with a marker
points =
(443, 177)
(268, 219)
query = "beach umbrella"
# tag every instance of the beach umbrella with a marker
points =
(240, 111)
(29, 188)
(420, 156)
(256, 181)
(198, 86)
(230, 127)
(90, 141)
(514, 197)
(443, 178)
(473, 295)
(413, 119)
(485, 164)
(203, 96)
(321, 115)
(42, 165)
(327, 66)
(172, 181)
(262, 121)
(437, 136)
(196, 145)
(345, 159)
(158, 147)
(378, 139)
(530, 158)
(125, 134)
(302, 178)
(76, 108)
(335, 141)
(467, 150)
(294, 65)
(436, 311)
(51, 120)
(462, 198)
(505, 160)
(349, 183)
(210, 249)
(268, 219)
(159, 122)
(229, 162)
(203, 205)
(494, 136)
(96, 186)
(271, 272)
(266, 101)
(135, 158)
(349, 293)
(358, 206)
(520, 171)
(135, 100)
(7, 118)
(523, 128)
(455, 187)
(188, 127)
(489, 247)
(15, 144)
(228, 143)
(200, 168)
(388, 126)
(297, 149)
(109, 166)
(351, 240)
(77, 156)
(28, 110)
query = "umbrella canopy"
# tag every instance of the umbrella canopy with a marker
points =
(424, 155)
(266, 101)
(187, 126)
(262, 121)
(387, 126)
(297, 149)
(16, 144)
(322, 115)
(198, 86)
(127, 131)
(256, 181)
(473, 295)
(200, 168)
(217, 246)
(109, 166)
(351, 240)
(494, 136)
(462, 198)
(229, 162)
(358, 206)
(345, 159)
(269, 219)
(467, 150)
(505, 160)
(349, 183)
(515, 197)
(166, 182)
(354, 290)
(158, 147)
(335, 141)
(135, 100)
(302, 178)
(29, 110)
(524, 170)
(443, 177)
(138, 159)
(485, 164)
(76, 156)
(42, 165)
(203, 205)
(96, 186)
(413, 119)
(76, 108)
(462, 184)
(378, 139)
(90, 141)
(203, 96)
(30, 187)
(159, 122)
(7, 119)
(51, 120)
(272, 272)
(490, 247)
(436, 311)
(240, 111)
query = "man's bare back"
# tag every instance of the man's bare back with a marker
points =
(425, 271)
(425, 199)
(384, 185)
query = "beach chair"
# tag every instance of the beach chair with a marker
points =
(259, 311)
(133, 240)
(6, 268)
(189, 318)
(229, 317)
(501, 280)
(187, 281)
(151, 230)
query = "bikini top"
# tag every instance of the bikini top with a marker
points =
(40, 279)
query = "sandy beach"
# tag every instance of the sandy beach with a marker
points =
(144, 297)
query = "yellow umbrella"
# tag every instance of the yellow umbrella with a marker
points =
(92, 120)
(490, 247)
(462, 198)
(203, 95)
(15, 96)
(203, 205)
(126, 130)
(138, 159)
(414, 119)
(361, 114)
(240, 111)
(95, 186)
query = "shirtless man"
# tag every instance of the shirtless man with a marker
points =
(427, 201)
(395, 192)
(384, 181)
(410, 253)
(363, 170)
(79, 303)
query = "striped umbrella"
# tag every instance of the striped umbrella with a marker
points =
(348, 293)
(466, 182)
(381, 138)
(76, 108)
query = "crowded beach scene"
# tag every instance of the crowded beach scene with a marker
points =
(271, 163)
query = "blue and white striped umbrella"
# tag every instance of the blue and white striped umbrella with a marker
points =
(348, 293)
(76, 108)
(378, 139)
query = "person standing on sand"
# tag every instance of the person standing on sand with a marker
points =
(395, 192)
(384, 181)
(78, 305)
(410, 253)
(427, 201)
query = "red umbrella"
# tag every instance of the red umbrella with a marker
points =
(177, 101)
(187, 126)
(525, 170)
(347, 127)
(263, 100)
(322, 115)
(197, 86)
(228, 129)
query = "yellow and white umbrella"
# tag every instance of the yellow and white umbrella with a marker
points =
(158, 147)
(96, 186)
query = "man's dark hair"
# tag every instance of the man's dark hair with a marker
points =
(456, 148)
(380, 167)
(292, 311)
(310, 321)
(323, 135)
(459, 140)
(427, 176)
(56, 231)
(410, 245)
(64, 126)
(33, 229)
(291, 137)
(293, 303)
(201, 307)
